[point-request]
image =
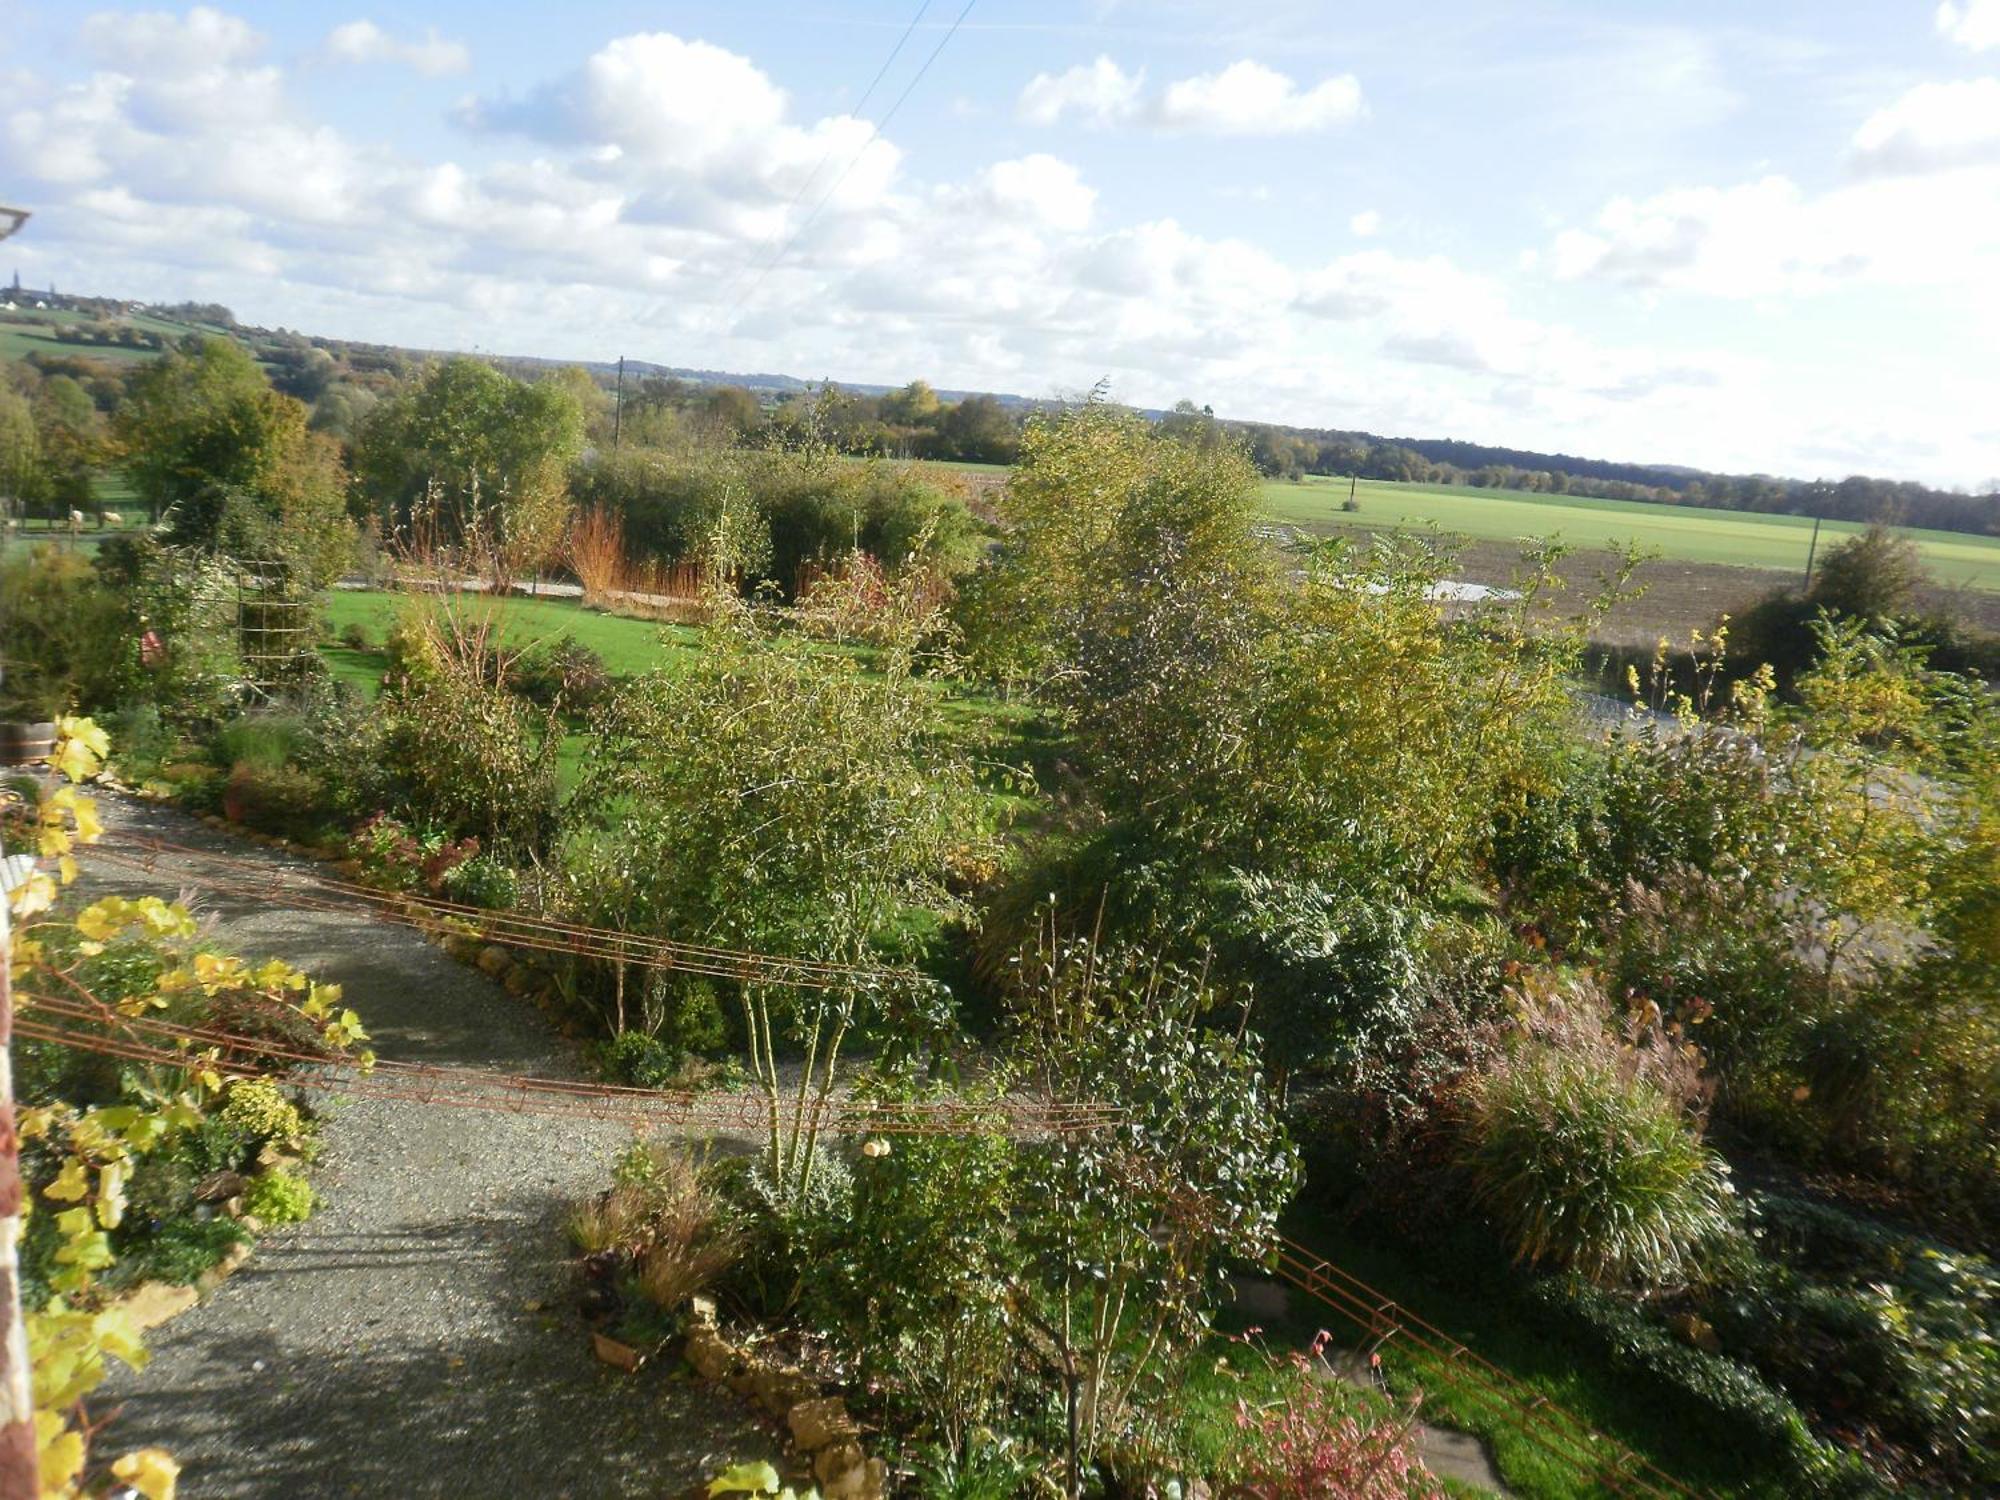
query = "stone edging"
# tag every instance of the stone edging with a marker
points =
(823, 1432)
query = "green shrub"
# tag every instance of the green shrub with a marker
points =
(638, 1060)
(279, 800)
(469, 758)
(341, 740)
(560, 670)
(162, 1189)
(66, 640)
(1588, 1159)
(910, 1284)
(215, 1145)
(279, 1198)
(141, 742)
(1716, 1399)
(482, 881)
(1863, 1321)
(354, 636)
(180, 1250)
(1334, 970)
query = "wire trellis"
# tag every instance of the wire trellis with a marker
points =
(311, 890)
(89, 1025)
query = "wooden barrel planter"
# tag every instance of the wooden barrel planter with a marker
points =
(24, 744)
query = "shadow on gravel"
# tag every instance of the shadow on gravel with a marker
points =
(441, 1359)
(481, 1420)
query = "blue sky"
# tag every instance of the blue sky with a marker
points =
(1753, 238)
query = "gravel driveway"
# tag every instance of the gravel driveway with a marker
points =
(416, 1336)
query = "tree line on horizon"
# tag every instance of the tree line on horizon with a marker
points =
(340, 381)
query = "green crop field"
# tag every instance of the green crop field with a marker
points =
(1681, 533)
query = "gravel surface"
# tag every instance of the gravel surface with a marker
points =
(417, 1336)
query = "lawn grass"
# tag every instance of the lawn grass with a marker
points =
(1489, 1322)
(1685, 533)
(629, 647)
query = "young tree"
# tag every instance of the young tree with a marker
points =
(774, 797)
(468, 458)
(20, 450)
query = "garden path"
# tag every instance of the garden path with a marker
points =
(415, 1337)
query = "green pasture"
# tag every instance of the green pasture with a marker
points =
(1682, 533)
(30, 330)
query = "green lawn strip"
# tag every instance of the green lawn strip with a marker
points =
(1687, 533)
(629, 647)
(1489, 1321)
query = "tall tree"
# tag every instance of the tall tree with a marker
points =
(467, 457)
(228, 462)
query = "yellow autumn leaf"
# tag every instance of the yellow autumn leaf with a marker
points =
(150, 1471)
(745, 1479)
(89, 827)
(111, 1194)
(86, 732)
(61, 1460)
(71, 1184)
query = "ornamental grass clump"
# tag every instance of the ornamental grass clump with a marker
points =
(661, 1218)
(1585, 1147)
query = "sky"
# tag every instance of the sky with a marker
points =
(1751, 238)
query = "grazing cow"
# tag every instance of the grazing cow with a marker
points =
(110, 518)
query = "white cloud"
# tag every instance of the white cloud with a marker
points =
(1045, 189)
(365, 42)
(1101, 93)
(1975, 24)
(1919, 208)
(698, 135)
(1933, 127)
(1771, 238)
(1365, 224)
(1245, 98)
(204, 39)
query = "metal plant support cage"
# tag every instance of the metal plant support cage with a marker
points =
(274, 626)
(250, 607)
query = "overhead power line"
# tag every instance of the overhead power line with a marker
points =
(743, 269)
(874, 135)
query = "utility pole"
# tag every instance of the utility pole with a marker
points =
(1353, 482)
(618, 410)
(20, 1468)
(1812, 548)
